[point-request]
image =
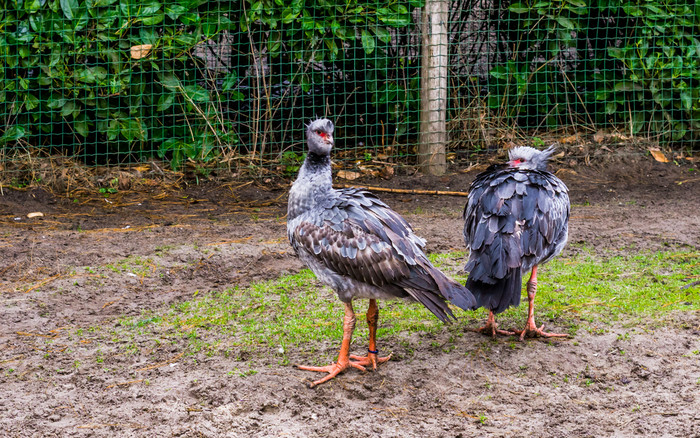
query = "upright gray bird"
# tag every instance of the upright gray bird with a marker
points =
(361, 248)
(516, 218)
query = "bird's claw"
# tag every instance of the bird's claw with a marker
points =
(532, 331)
(371, 359)
(492, 329)
(359, 362)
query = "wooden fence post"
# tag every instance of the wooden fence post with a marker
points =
(433, 106)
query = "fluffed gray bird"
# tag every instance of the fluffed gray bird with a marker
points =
(516, 218)
(361, 248)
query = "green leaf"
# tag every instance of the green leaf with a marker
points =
(100, 3)
(153, 20)
(33, 6)
(230, 81)
(197, 93)
(69, 8)
(368, 42)
(500, 72)
(37, 22)
(638, 121)
(169, 81)
(632, 10)
(394, 17)
(627, 86)
(610, 107)
(31, 101)
(132, 129)
(165, 101)
(566, 23)
(382, 33)
(288, 15)
(616, 52)
(113, 129)
(80, 125)
(518, 8)
(149, 8)
(332, 46)
(686, 99)
(274, 43)
(68, 108)
(12, 133)
(174, 11)
(679, 131)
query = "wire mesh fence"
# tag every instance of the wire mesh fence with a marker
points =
(230, 84)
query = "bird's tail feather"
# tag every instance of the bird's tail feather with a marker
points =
(433, 303)
(500, 295)
(457, 294)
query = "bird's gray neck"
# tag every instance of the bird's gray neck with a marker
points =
(313, 185)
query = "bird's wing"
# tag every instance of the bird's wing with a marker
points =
(358, 236)
(513, 219)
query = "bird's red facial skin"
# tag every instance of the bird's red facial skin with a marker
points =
(515, 163)
(321, 133)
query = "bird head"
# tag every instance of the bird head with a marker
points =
(319, 136)
(525, 157)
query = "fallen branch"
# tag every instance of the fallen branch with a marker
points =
(160, 364)
(124, 383)
(689, 285)
(103, 425)
(405, 191)
(687, 181)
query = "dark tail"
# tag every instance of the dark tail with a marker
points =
(421, 286)
(457, 294)
(500, 295)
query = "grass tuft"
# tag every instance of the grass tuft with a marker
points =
(581, 290)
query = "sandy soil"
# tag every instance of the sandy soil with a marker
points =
(61, 273)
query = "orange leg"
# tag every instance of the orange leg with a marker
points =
(344, 357)
(491, 327)
(371, 358)
(531, 330)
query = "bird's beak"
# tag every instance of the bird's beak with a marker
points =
(329, 139)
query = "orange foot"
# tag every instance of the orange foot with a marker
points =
(491, 328)
(370, 359)
(359, 362)
(333, 370)
(532, 331)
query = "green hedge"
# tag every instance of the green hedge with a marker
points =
(636, 65)
(126, 79)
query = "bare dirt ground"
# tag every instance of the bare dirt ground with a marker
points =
(60, 275)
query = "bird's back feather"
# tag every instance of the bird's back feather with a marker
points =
(514, 219)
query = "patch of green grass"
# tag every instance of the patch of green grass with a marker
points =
(644, 287)
(295, 310)
(134, 264)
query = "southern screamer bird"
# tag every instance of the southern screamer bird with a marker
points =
(516, 218)
(360, 248)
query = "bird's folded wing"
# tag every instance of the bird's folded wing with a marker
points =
(352, 253)
(360, 237)
(510, 218)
